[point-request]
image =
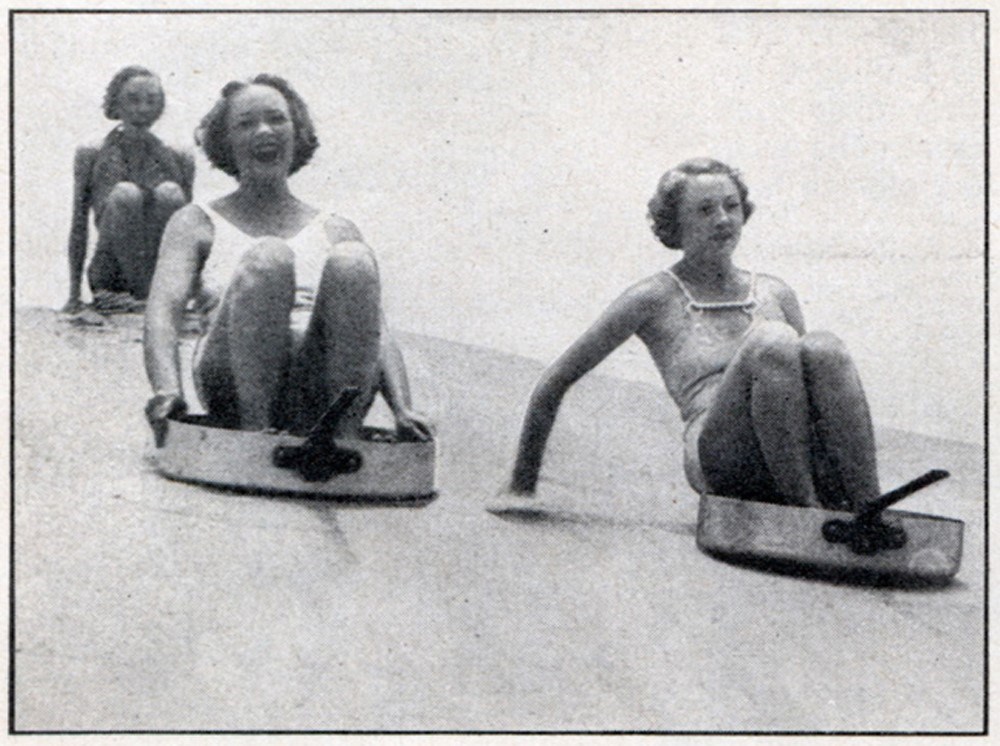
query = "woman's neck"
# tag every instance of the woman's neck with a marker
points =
(264, 197)
(717, 273)
(265, 209)
(130, 133)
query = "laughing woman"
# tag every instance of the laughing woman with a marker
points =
(771, 412)
(290, 296)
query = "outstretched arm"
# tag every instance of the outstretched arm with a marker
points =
(83, 165)
(621, 320)
(186, 238)
(395, 387)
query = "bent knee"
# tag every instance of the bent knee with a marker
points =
(124, 194)
(775, 344)
(824, 349)
(269, 256)
(351, 260)
(170, 194)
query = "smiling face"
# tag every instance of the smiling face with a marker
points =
(140, 101)
(261, 132)
(711, 215)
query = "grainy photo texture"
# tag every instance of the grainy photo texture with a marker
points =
(493, 371)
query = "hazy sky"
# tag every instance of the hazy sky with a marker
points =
(500, 164)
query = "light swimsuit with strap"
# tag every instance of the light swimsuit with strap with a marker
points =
(698, 356)
(310, 247)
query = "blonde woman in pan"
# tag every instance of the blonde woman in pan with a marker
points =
(771, 412)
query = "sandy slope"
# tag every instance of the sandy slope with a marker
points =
(145, 604)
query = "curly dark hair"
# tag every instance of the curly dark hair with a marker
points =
(664, 205)
(118, 82)
(211, 134)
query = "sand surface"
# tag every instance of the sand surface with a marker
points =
(143, 604)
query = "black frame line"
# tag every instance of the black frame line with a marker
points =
(12, 13)
(491, 11)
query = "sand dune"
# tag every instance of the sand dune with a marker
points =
(143, 604)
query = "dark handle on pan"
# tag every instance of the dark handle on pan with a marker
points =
(867, 533)
(872, 509)
(319, 458)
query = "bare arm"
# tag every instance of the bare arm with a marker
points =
(187, 173)
(83, 165)
(186, 240)
(790, 306)
(394, 385)
(393, 381)
(620, 321)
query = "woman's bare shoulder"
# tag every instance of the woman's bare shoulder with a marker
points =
(651, 293)
(193, 222)
(659, 287)
(88, 151)
(95, 145)
(339, 229)
(774, 285)
(769, 286)
(184, 155)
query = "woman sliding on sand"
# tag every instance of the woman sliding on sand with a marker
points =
(290, 296)
(771, 412)
(134, 183)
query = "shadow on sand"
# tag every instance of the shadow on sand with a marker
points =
(544, 516)
(335, 501)
(853, 577)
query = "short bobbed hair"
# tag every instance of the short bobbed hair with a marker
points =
(213, 137)
(118, 82)
(664, 207)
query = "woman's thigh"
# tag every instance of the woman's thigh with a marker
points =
(731, 458)
(213, 376)
(263, 275)
(306, 392)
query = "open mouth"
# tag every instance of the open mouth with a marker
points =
(266, 153)
(141, 120)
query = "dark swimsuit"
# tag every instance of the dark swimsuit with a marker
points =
(146, 163)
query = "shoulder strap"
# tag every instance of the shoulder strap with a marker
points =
(669, 273)
(207, 209)
(746, 304)
(219, 221)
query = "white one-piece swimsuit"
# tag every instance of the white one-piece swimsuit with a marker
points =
(310, 247)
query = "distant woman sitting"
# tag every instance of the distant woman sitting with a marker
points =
(134, 183)
(290, 295)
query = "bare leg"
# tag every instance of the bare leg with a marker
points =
(166, 199)
(245, 356)
(843, 423)
(341, 345)
(117, 256)
(756, 437)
